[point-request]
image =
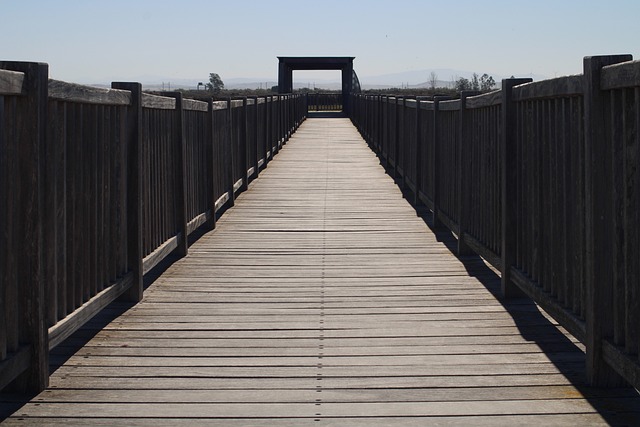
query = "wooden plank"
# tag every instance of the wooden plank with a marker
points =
(11, 82)
(622, 75)
(158, 102)
(159, 254)
(198, 221)
(545, 419)
(238, 184)
(222, 200)
(72, 322)
(485, 394)
(449, 105)
(71, 92)
(552, 88)
(484, 100)
(329, 409)
(236, 103)
(194, 105)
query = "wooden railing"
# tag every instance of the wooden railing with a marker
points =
(99, 186)
(543, 181)
(324, 102)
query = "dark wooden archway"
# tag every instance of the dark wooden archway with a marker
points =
(344, 63)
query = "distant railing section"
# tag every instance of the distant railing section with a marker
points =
(100, 185)
(542, 180)
(324, 102)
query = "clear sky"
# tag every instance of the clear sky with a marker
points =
(89, 41)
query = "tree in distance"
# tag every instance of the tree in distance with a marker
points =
(484, 83)
(433, 80)
(215, 84)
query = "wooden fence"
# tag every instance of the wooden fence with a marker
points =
(543, 181)
(99, 186)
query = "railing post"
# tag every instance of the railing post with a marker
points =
(134, 189)
(255, 139)
(600, 233)
(266, 146)
(181, 175)
(463, 175)
(396, 147)
(231, 160)
(378, 101)
(275, 120)
(435, 163)
(385, 132)
(306, 102)
(508, 186)
(405, 144)
(211, 162)
(418, 159)
(28, 204)
(244, 145)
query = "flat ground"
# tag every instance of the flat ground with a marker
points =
(322, 299)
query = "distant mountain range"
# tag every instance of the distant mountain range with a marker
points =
(406, 79)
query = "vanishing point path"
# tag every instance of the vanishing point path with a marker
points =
(322, 299)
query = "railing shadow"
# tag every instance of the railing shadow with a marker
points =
(618, 406)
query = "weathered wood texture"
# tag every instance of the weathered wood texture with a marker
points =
(321, 299)
(11, 82)
(23, 160)
(102, 184)
(547, 173)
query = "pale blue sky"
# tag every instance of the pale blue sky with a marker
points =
(102, 40)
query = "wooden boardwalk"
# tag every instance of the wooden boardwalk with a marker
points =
(322, 299)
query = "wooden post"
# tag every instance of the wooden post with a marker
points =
(435, 163)
(276, 125)
(181, 177)
(463, 152)
(405, 144)
(396, 148)
(230, 158)
(600, 234)
(380, 126)
(244, 145)
(267, 132)
(306, 102)
(30, 162)
(386, 134)
(134, 189)
(287, 117)
(508, 186)
(211, 163)
(418, 159)
(255, 139)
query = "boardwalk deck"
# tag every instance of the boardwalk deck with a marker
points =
(322, 299)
